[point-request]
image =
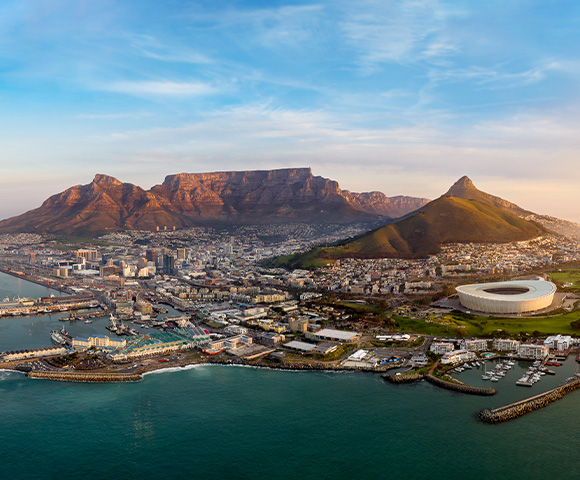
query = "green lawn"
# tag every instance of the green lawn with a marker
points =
(571, 275)
(471, 325)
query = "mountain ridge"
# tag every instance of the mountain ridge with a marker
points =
(447, 219)
(188, 199)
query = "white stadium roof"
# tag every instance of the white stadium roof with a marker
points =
(515, 296)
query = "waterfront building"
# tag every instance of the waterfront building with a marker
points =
(361, 359)
(536, 352)
(505, 345)
(333, 335)
(300, 346)
(558, 342)
(420, 359)
(35, 353)
(237, 341)
(477, 345)
(100, 341)
(457, 356)
(156, 343)
(197, 334)
(441, 348)
(60, 272)
(326, 347)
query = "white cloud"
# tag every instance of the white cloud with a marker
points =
(152, 47)
(160, 88)
(400, 32)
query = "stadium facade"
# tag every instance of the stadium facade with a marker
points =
(515, 296)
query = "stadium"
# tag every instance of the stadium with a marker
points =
(517, 296)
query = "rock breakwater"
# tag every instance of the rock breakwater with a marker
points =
(86, 377)
(515, 410)
(404, 377)
(459, 387)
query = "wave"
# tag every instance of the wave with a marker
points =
(175, 369)
(255, 367)
(5, 373)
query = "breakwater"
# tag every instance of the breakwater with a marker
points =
(404, 377)
(86, 377)
(459, 387)
(515, 410)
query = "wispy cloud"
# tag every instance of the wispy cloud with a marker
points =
(492, 77)
(289, 24)
(152, 47)
(400, 32)
(160, 88)
(114, 116)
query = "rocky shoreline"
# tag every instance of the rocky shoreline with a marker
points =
(108, 377)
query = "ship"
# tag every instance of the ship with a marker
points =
(61, 336)
(112, 327)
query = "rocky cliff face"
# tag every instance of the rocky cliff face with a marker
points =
(187, 199)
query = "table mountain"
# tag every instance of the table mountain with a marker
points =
(188, 199)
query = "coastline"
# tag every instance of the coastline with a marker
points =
(108, 376)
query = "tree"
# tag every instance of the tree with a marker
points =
(575, 324)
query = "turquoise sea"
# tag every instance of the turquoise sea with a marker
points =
(243, 423)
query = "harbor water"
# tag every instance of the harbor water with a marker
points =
(22, 332)
(216, 422)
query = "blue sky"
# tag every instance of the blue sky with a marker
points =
(398, 96)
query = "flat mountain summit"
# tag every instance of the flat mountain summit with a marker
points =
(462, 215)
(188, 199)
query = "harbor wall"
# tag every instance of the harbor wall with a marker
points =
(460, 387)
(515, 410)
(86, 377)
(404, 377)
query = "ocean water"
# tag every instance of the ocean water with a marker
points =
(233, 422)
(216, 422)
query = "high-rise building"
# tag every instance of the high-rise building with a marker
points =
(169, 264)
(88, 255)
(151, 255)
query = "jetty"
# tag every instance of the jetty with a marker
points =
(517, 409)
(459, 386)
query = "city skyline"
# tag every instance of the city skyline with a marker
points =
(403, 98)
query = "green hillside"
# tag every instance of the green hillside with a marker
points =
(445, 220)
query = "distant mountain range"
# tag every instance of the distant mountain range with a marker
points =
(463, 215)
(189, 199)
